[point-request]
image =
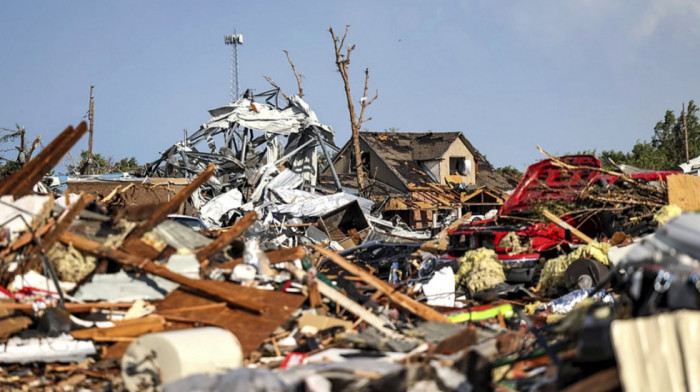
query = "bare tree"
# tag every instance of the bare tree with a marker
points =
(298, 76)
(342, 60)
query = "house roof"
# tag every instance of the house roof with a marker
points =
(410, 146)
(406, 152)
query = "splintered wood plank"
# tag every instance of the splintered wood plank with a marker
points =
(22, 182)
(226, 237)
(405, 302)
(123, 329)
(27, 238)
(11, 323)
(235, 295)
(250, 329)
(586, 239)
(171, 206)
(63, 222)
(684, 191)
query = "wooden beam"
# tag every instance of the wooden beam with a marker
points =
(71, 307)
(171, 206)
(439, 242)
(350, 305)
(65, 220)
(399, 298)
(586, 239)
(22, 182)
(238, 296)
(225, 238)
(123, 329)
(27, 238)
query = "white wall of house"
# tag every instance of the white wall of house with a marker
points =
(457, 150)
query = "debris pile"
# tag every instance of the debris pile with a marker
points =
(287, 286)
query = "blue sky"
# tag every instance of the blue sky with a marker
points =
(567, 75)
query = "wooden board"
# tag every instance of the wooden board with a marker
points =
(250, 329)
(684, 191)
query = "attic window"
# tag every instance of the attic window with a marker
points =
(365, 162)
(460, 165)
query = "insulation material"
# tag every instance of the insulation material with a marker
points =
(553, 271)
(666, 213)
(512, 241)
(479, 270)
(70, 264)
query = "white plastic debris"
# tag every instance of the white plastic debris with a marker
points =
(440, 289)
(59, 349)
(159, 358)
(14, 213)
(35, 280)
(220, 206)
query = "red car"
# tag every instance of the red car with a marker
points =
(542, 183)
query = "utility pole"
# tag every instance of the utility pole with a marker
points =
(685, 129)
(234, 40)
(91, 129)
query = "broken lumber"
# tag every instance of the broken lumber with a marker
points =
(22, 182)
(439, 242)
(684, 191)
(170, 206)
(226, 237)
(586, 239)
(63, 222)
(70, 306)
(123, 329)
(350, 305)
(398, 298)
(234, 295)
(26, 238)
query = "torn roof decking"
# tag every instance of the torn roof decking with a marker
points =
(406, 152)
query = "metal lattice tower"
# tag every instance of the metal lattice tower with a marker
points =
(234, 40)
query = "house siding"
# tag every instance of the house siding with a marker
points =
(457, 149)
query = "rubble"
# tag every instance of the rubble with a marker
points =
(292, 282)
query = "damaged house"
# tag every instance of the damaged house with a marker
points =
(423, 175)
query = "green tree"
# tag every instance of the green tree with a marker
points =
(510, 171)
(666, 150)
(101, 165)
(669, 138)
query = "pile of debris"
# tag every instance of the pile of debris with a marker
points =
(288, 286)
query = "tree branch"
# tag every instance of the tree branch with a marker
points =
(297, 76)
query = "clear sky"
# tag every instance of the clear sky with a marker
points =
(568, 75)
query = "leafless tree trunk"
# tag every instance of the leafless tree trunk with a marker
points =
(298, 76)
(342, 60)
